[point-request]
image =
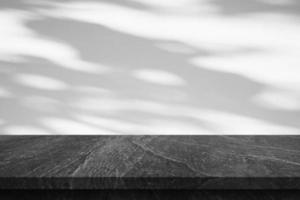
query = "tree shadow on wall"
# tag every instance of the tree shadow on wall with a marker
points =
(120, 96)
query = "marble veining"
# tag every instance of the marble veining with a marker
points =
(130, 158)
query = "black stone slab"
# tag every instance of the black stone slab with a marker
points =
(151, 194)
(150, 162)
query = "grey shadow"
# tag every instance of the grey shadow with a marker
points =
(124, 53)
(238, 7)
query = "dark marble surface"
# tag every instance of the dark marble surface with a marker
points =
(151, 162)
(151, 194)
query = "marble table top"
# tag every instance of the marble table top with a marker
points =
(150, 162)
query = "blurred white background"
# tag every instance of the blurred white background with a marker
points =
(149, 67)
